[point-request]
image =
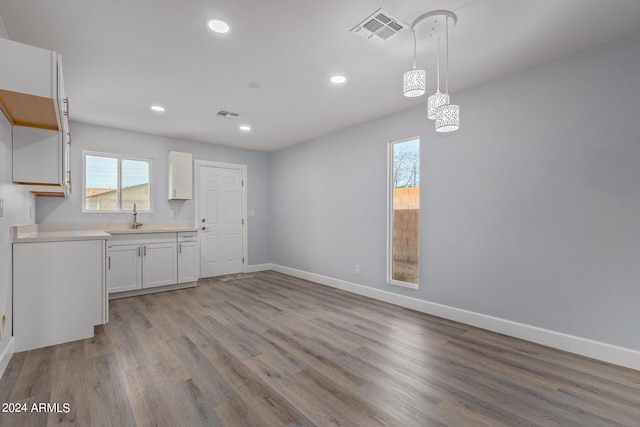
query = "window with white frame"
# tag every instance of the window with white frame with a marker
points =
(114, 183)
(404, 212)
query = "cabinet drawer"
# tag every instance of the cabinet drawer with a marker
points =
(142, 238)
(187, 236)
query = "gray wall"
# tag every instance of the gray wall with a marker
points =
(3, 29)
(530, 212)
(18, 205)
(86, 137)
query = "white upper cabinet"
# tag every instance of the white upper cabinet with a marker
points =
(31, 85)
(41, 161)
(33, 99)
(37, 156)
(180, 176)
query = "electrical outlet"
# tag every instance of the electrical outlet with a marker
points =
(357, 269)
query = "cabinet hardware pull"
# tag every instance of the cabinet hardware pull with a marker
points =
(138, 250)
(187, 237)
(109, 263)
(145, 251)
(180, 248)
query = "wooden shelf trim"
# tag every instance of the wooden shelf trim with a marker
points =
(29, 110)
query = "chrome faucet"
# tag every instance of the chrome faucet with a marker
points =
(135, 224)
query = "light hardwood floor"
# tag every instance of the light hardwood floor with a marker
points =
(272, 350)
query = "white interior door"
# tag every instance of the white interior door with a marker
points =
(221, 221)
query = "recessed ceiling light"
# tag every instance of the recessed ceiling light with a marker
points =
(244, 128)
(338, 79)
(218, 26)
(158, 108)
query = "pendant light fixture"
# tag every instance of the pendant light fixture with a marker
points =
(437, 99)
(447, 115)
(414, 79)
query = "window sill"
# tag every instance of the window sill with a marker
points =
(403, 284)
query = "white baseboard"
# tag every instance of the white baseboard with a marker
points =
(5, 357)
(257, 267)
(154, 290)
(585, 347)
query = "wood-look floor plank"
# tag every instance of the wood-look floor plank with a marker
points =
(11, 377)
(338, 372)
(149, 399)
(267, 349)
(215, 389)
(67, 381)
(35, 375)
(104, 393)
(261, 341)
(315, 407)
(192, 405)
(255, 394)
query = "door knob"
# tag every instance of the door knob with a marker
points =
(204, 220)
(204, 228)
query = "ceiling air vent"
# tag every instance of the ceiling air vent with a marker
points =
(380, 26)
(227, 115)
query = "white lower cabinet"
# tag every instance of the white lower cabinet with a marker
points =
(159, 264)
(59, 292)
(124, 267)
(188, 257)
(143, 261)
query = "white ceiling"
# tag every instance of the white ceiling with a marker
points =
(121, 56)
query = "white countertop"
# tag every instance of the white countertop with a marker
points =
(152, 230)
(62, 233)
(61, 236)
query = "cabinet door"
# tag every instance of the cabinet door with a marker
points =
(28, 85)
(37, 156)
(124, 268)
(187, 262)
(63, 107)
(159, 265)
(59, 293)
(27, 70)
(67, 161)
(180, 176)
